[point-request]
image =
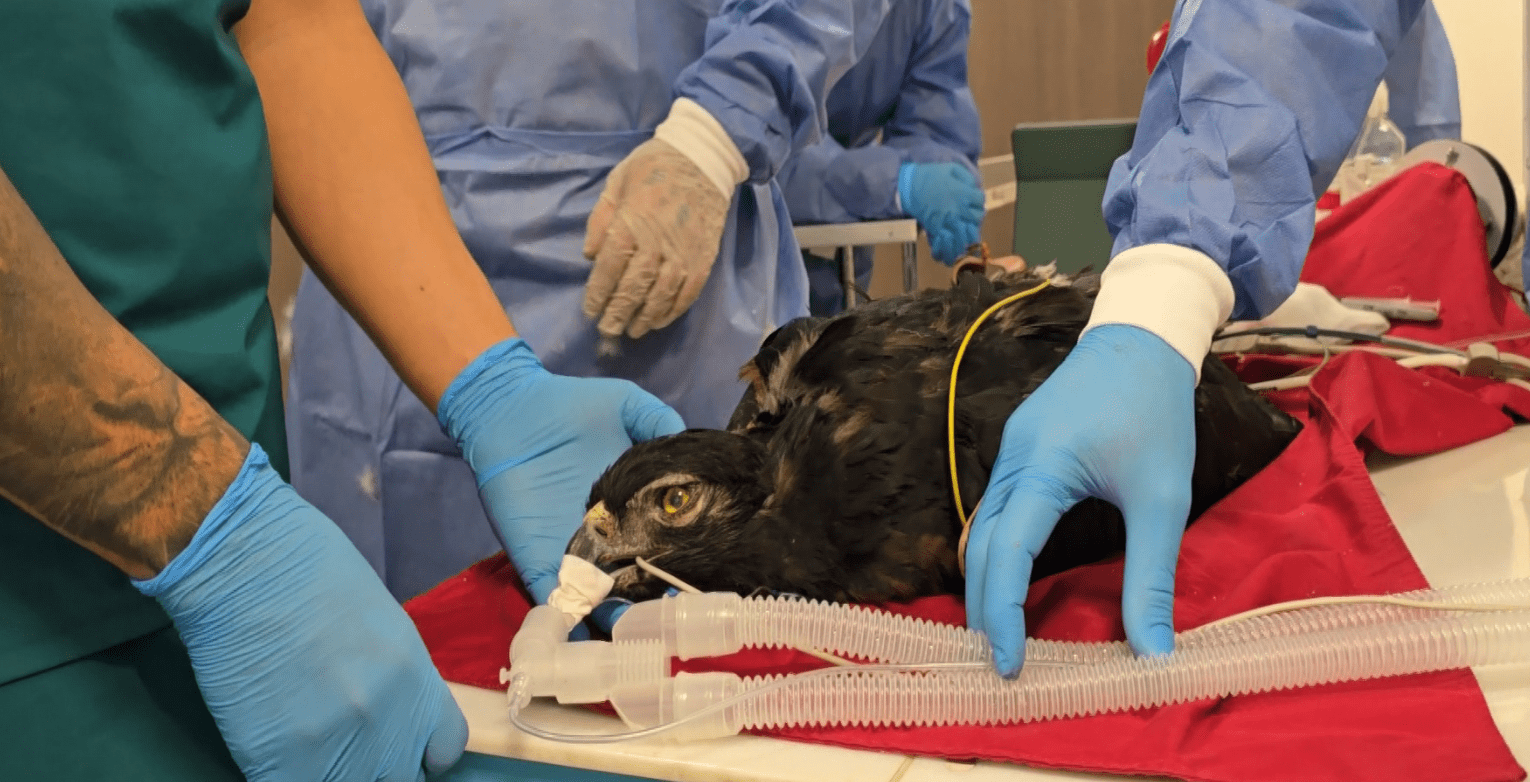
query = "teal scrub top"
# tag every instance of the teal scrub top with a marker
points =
(134, 131)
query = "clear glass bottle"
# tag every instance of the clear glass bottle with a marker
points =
(1375, 154)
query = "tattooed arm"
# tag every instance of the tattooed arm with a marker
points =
(98, 439)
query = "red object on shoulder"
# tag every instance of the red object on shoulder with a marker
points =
(1156, 45)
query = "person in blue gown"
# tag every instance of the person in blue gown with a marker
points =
(903, 141)
(1246, 117)
(549, 124)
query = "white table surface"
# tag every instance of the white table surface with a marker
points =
(1464, 515)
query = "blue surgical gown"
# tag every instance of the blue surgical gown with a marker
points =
(905, 101)
(1245, 119)
(1424, 98)
(526, 106)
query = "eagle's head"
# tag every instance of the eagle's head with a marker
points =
(677, 502)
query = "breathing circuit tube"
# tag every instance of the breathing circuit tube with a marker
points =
(941, 675)
(710, 624)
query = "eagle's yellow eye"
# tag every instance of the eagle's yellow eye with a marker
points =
(675, 500)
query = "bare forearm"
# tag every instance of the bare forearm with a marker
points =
(357, 188)
(98, 438)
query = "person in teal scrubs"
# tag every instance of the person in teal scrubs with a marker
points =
(179, 613)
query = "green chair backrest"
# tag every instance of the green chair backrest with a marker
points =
(1060, 173)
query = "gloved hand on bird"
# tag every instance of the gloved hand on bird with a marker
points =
(946, 201)
(655, 232)
(537, 441)
(1115, 421)
(267, 593)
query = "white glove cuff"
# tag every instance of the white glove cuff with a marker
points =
(701, 138)
(1179, 294)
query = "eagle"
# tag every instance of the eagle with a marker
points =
(832, 480)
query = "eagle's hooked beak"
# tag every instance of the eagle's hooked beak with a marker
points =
(599, 521)
(597, 542)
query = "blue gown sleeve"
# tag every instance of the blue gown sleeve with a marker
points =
(937, 118)
(826, 183)
(1246, 117)
(935, 121)
(1423, 97)
(768, 68)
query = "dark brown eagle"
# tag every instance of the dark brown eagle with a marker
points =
(832, 480)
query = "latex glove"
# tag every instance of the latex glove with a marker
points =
(1115, 421)
(653, 235)
(310, 668)
(537, 442)
(948, 204)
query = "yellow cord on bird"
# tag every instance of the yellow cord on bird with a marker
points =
(956, 490)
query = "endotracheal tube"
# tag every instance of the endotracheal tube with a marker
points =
(921, 673)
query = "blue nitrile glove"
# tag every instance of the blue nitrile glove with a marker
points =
(1115, 421)
(609, 612)
(948, 204)
(537, 442)
(310, 668)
